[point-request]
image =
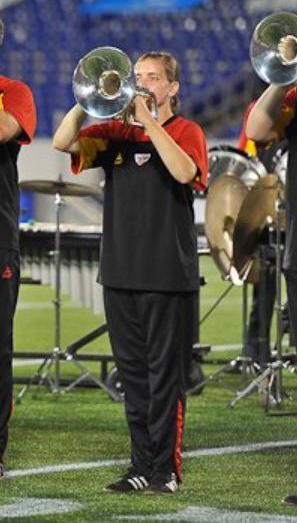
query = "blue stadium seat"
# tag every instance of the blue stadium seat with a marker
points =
(45, 40)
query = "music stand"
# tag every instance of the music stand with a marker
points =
(42, 375)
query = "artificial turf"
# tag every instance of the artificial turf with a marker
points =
(85, 425)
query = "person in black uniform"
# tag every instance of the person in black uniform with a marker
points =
(257, 345)
(149, 266)
(274, 117)
(17, 127)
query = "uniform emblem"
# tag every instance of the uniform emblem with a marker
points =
(7, 274)
(141, 158)
(119, 159)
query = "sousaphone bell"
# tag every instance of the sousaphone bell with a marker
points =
(104, 84)
(273, 49)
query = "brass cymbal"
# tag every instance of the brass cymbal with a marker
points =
(63, 188)
(257, 211)
(224, 198)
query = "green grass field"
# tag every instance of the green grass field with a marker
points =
(85, 428)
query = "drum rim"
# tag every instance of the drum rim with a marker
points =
(254, 161)
(230, 148)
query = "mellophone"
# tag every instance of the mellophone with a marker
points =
(80, 246)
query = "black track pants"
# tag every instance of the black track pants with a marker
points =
(291, 283)
(151, 335)
(9, 284)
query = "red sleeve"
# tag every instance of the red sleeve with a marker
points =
(18, 101)
(192, 140)
(111, 129)
(291, 97)
(93, 142)
(287, 113)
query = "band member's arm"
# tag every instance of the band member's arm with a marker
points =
(66, 136)
(17, 113)
(178, 163)
(9, 127)
(261, 123)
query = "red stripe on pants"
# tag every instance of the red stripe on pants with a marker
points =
(179, 438)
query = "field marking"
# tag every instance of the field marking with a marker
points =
(52, 469)
(47, 506)
(41, 305)
(25, 363)
(235, 346)
(211, 515)
(38, 506)
(237, 449)
(216, 451)
(32, 506)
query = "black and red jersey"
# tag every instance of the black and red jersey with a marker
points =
(149, 240)
(15, 98)
(286, 126)
(286, 137)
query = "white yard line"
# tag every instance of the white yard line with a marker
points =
(42, 305)
(24, 508)
(216, 451)
(235, 346)
(38, 507)
(25, 363)
(211, 515)
(31, 507)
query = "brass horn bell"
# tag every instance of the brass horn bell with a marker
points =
(273, 49)
(103, 82)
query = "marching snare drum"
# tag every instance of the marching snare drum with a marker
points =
(230, 161)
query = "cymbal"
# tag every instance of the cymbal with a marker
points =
(63, 188)
(224, 198)
(257, 211)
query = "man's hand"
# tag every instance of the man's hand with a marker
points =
(142, 111)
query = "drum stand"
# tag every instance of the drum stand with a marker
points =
(53, 359)
(273, 372)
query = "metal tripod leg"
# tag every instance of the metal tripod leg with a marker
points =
(274, 370)
(70, 353)
(232, 364)
(271, 370)
(54, 357)
(86, 373)
(42, 375)
(38, 375)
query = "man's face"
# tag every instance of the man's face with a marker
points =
(150, 73)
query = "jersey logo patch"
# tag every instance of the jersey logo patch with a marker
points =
(119, 159)
(7, 274)
(141, 158)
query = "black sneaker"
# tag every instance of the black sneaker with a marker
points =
(291, 500)
(130, 482)
(164, 485)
